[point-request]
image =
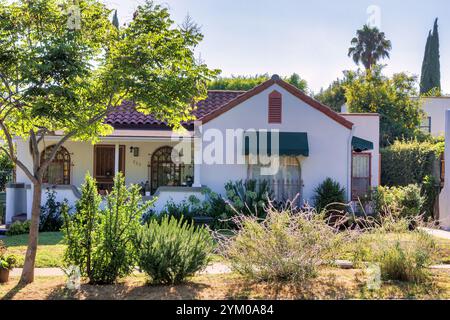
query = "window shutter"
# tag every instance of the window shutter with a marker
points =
(275, 107)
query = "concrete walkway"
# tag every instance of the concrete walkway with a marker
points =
(437, 233)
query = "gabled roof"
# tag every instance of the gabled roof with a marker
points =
(288, 87)
(217, 103)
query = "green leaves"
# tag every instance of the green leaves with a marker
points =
(369, 46)
(59, 78)
(430, 80)
(173, 249)
(400, 115)
(99, 241)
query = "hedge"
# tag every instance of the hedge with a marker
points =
(409, 162)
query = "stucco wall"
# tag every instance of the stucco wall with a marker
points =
(435, 108)
(367, 126)
(328, 141)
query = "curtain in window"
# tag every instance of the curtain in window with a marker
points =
(286, 183)
(360, 175)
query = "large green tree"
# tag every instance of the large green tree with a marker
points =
(334, 95)
(391, 98)
(246, 83)
(63, 68)
(430, 80)
(369, 46)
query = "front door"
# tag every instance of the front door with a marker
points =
(104, 165)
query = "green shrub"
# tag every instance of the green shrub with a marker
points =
(249, 198)
(408, 162)
(329, 195)
(6, 170)
(401, 256)
(430, 192)
(399, 201)
(286, 246)
(7, 261)
(99, 241)
(51, 219)
(19, 227)
(172, 250)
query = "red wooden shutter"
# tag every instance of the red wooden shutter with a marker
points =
(275, 107)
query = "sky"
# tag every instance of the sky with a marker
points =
(311, 38)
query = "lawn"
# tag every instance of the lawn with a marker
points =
(330, 284)
(50, 250)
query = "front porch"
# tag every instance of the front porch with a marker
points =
(144, 160)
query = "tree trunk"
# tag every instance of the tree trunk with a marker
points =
(30, 256)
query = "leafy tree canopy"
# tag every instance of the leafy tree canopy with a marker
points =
(391, 98)
(64, 66)
(334, 95)
(248, 82)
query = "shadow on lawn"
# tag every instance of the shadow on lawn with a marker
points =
(322, 287)
(12, 293)
(129, 291)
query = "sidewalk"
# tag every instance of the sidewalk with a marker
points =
(437, 233)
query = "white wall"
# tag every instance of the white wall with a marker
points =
(329, 152)
(435, 108)
(367, 126)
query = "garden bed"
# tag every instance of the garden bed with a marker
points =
(330, 284)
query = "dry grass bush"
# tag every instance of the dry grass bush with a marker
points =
(401, 253)
(290, 245)
(286, 246)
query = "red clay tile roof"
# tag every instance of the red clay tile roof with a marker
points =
(127, 116)
(217, 103)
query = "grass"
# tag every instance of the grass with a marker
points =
(50, 249)
(443, 246)
(330, 284)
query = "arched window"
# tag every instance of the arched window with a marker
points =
(58, 171)
(164, 172)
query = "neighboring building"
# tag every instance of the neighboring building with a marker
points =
(314, 143)
(434, 120)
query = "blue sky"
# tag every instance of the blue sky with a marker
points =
(310, 38)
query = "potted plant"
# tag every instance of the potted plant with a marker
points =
(7, 262)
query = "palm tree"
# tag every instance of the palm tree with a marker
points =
(369, 46)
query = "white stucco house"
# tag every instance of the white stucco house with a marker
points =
(434, 120)
(313, 143)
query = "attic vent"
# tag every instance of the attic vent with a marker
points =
(275, 107)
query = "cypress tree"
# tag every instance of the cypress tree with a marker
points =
(425, 66)
(115, 20)
(431, 69)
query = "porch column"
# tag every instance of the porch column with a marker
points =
(116, 159)
(197, 162)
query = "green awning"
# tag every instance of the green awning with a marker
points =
(290, 143)
(360, 144)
